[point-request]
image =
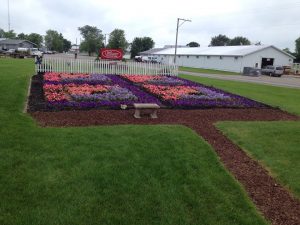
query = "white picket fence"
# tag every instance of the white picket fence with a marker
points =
(104, 67)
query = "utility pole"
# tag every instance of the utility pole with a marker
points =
(8, 15)
(178, 25)
(105, 40)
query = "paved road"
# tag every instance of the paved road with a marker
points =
(69, 55)
(284, 81)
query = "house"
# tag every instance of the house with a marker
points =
(226, 58)
(14, 44)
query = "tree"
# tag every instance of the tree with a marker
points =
(93, 39)
(54, 41)
(220, 40)
(258, 43)
(193, 44)
(287, 50)
(297, 50)
(66, 45)
(239, 41)
(117, 39)
(10, 34)
(22, 36)
(141, 44)
(297, 46)
(36, 39)
(2, 33)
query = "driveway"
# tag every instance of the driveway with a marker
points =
(284, 81)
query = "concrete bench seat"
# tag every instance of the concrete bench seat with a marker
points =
(151, 107)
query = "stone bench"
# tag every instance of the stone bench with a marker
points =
(150, 107)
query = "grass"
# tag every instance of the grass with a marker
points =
(285, 98)
(207, 71)
(274, 144)
(109, 174)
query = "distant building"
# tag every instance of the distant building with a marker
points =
(74, 48)
(14, 44)
(226, 58)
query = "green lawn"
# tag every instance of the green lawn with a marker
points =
(274, 144)
(108, 175)
(286, 98)
(207, 71)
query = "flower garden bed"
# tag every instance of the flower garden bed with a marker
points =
(85, 91)
(176, 92)
(61, 91)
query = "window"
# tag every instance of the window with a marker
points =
(197, 56)
(221, 57)
(178, 56)
(188, 56)
(236, 57)
(208, 57)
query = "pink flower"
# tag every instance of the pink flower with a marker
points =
(170, 92)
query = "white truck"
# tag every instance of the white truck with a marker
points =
(35, 52)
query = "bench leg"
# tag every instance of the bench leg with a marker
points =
(153, 115)
(137, 114)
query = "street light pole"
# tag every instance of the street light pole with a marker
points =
(178, 25)
(176, 40)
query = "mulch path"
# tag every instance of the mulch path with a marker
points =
(271, 198)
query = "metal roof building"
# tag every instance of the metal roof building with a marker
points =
(227, 58)
(15, 43)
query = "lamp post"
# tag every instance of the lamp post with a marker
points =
(178, 25)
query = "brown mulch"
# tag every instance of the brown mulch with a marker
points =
(271, 198)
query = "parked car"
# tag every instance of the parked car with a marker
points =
(273, 71)
(150, 59)
(35, 52)
(10, 51)
(138, 58)
(48, 52)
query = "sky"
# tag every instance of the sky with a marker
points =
(272, 22)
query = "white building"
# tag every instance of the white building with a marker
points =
(226, 58)
(74, 48)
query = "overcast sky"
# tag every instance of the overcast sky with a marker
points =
(273, 22)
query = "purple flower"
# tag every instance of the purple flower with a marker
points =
(123, 92)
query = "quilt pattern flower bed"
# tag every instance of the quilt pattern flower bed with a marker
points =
(180, 93)
(86, 91)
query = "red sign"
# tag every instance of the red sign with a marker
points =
(110, 53)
